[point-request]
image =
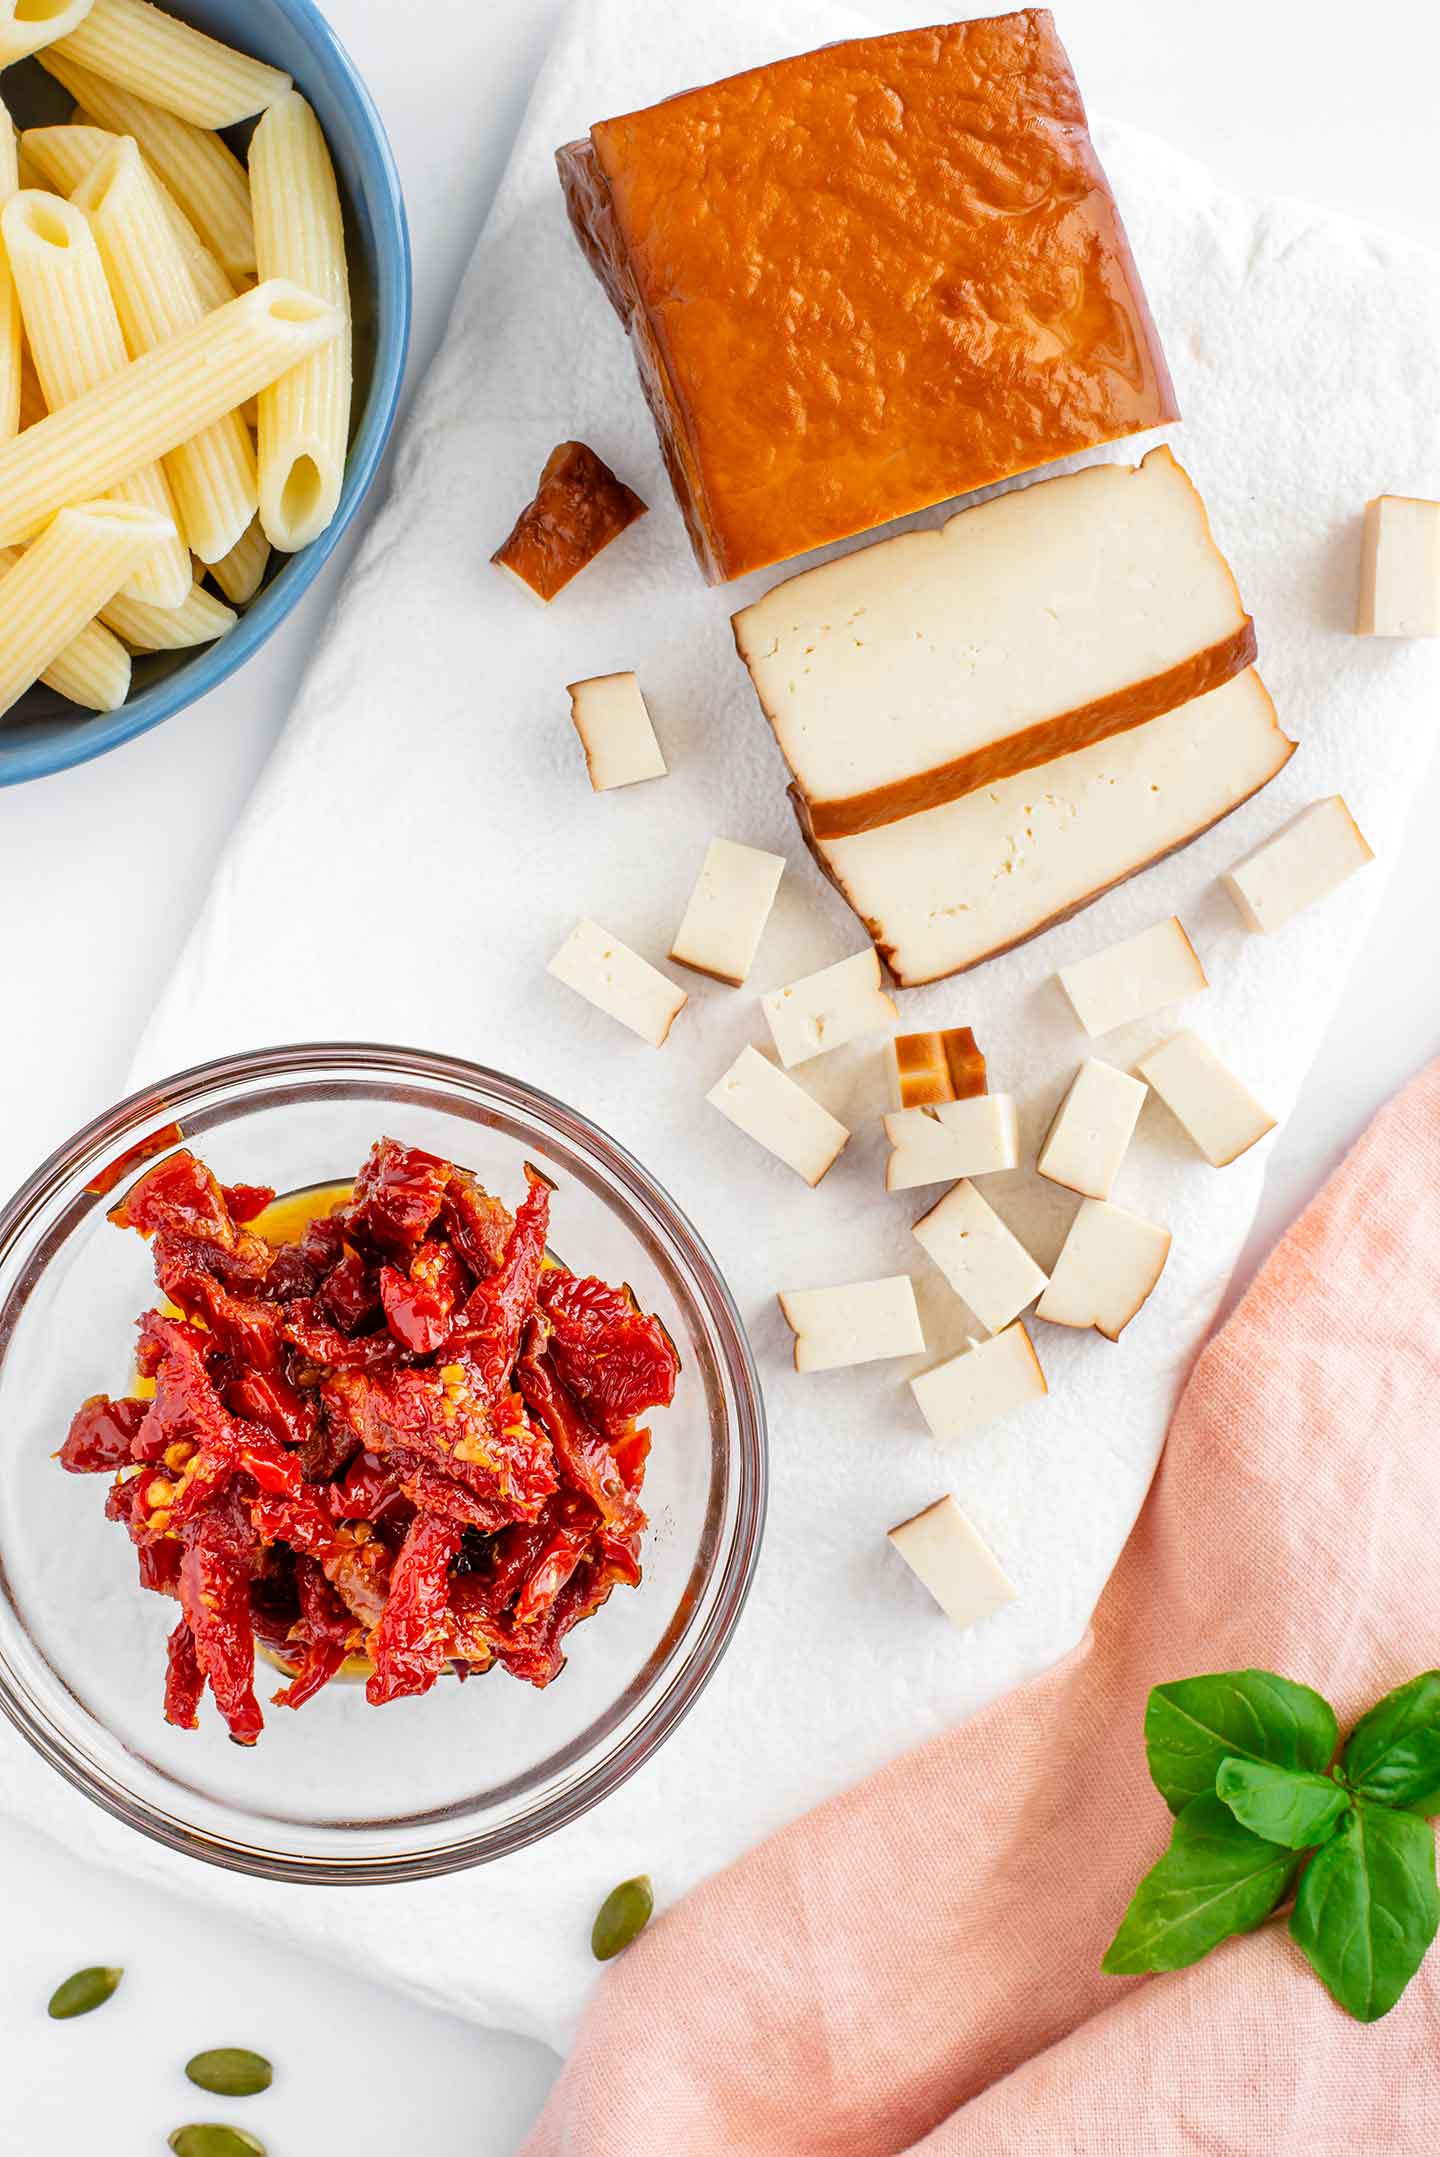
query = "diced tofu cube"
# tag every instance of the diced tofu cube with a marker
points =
(935, 1067)
(1222, 1116)
(616, 981)
(978, 1137)
(987, 1267)
(779, 1115)
(990, 1379)
(1092, 1130)
(1400, 569)
(1108, 1266)
(1134, 978)
(728, 910)
(611, 718)
(864, 1322)
(1305, 860)
(829, 1009)
(947, 1555)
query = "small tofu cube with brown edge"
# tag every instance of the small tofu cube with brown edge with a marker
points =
(829, 1009)
(770, 1107)
(1206, 1099)
(863, 1322)
(943, 1066)
(1092, 1129)
(729, 907)
(950, 1558)
(1109, 1264)
(579, 507)
(611, 717)
(988, 1267)
(618, 982)
(978, 1137)
(1132, 979)
(1304, 861)
(1400, 568)
(987, 1380)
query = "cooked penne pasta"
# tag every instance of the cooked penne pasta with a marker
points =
(172, 64)
(242, 572)
(32, 397)
(157, 402)
(304, 418)
(200, 620)
(60, 584)
(76, 342)
(212, 474)
(202, 172)
(64, 156)
(93, 669)
(11, 343)
(26, 25)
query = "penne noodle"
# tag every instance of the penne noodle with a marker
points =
(171, 64)
(76, 342)
(213, 473)
(32, 397)
(26, 25)
(157, 402)
(304, 418)
(59, 585)
(65, 156)
(200, 620)
(11, 342)
(242, 572)
(202, 173)
(94, 667)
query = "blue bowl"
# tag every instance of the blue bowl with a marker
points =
(43, 733)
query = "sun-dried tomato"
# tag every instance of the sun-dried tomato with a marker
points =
(407, 1647)
(438, 1415)
(479, 1225)
(350, 1294)
(184, 1679)
(220, 1552)
(323, 1631)
(489, 1328)
(398, 1195)
(289, 1413)
(322, 1344)
(245, 1202)
(582, 1454)
(178, 1194)
(420, 1305)
(100, 1435)
(607, 1351)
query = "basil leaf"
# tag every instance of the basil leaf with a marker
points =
(1215, 1879)
(1282, 1804)
(1191, 1726)
(1368, 1908)
(1393, 1753)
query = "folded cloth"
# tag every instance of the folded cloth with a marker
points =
(425, 838)
(916, 1966)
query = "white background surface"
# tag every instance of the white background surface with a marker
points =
(101, 869)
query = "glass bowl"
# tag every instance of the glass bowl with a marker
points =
(43, 733)
(340, 1791)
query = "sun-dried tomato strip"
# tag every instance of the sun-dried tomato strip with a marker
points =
(609, 1354)
(215, 1597)
(487, 1337)
(407, 1647)
(398, 1194)
(178, 1194)
(420, 1305)
(324, 1630)
(184, 1679)
(101, 1433)
(581, 1452)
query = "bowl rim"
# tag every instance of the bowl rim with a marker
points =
(678, 1691)
(100, 732)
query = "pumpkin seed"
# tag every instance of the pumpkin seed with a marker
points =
(230, 2071)
(621, 1917)
(208, 2139)
(83, 1993)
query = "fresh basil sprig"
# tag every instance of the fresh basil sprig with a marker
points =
(1246, 1762)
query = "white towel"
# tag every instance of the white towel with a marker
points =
(425, 838)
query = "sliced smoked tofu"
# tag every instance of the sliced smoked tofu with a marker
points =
(612, 719)
(946, 889)
(1400, 569)
(760, 1100)
(1108, 1266)
(1092, 1129)
(618, 982)
(863, 1322)
(728, 910)
(987, 1380)
(829, 1009)
(947, 1065)
(954, 1562)
(1204, 1096)
(1305, 860)
(1129, 980)
(913, 671)
(988, 1267)
(978, 1137)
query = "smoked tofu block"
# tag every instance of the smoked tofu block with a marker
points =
(828, 1009)
(779, 1115)
(1130, 980)
(579, 507)
(1108, 1266)
(612, 720)
(616, 981)
(865, 1322)
(988, 1268)
(728, 910)
(946, 1554)
(867, 279)
(1400, 569)
(1092, 1130)
(1305, 860)
(915, 670)
(943, 891)
(1202, 1094)
(931, 1068)
(989, 1380)
(979, 1137)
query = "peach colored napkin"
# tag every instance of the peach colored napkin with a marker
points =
(915, 1966)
